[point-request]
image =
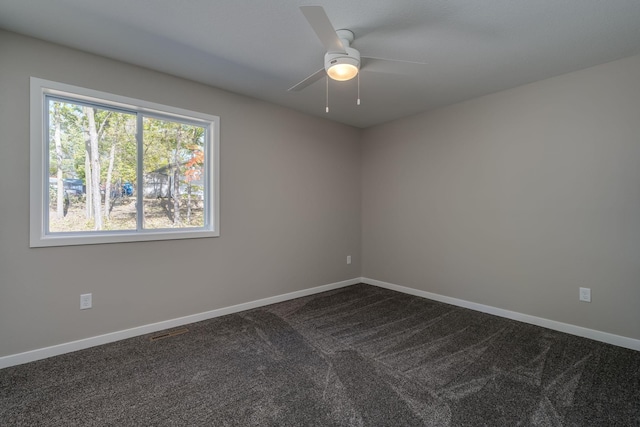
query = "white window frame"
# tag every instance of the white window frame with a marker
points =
(39, 177)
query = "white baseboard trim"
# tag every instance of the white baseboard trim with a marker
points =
(605, 337)
(55, 350)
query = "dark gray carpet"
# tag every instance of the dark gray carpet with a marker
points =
(357, 356)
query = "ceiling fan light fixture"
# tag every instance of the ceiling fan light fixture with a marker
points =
(342, 71)
(342, 66)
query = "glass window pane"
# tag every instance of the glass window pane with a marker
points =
(173, 164)
(92, 168)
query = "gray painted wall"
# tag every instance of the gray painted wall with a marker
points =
(516, 199)
(290, 211)
(513, 200)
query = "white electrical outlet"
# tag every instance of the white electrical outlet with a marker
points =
(348, 259)
(585, 294)
(85, 301)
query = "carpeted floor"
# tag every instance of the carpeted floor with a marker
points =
(356, 356)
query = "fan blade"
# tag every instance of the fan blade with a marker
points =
(390, 66)
(320, 23)
(393, 60)
(309, 80)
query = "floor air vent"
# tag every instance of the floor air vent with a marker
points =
(169, 334)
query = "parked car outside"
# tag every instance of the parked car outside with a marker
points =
(127, 189)
(74, 186)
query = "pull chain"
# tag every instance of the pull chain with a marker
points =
(327, 101)
(358, 102)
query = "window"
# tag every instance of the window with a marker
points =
(107, 168)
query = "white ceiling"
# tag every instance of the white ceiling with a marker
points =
(261, 48)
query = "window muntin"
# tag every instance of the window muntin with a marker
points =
(95, 156)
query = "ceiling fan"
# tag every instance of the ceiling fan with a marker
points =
(341, 62)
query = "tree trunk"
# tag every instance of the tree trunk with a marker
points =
(107, 187)
(59, 181)
(95, 168)
(176, 180)
(87, 177)
(189, 202)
